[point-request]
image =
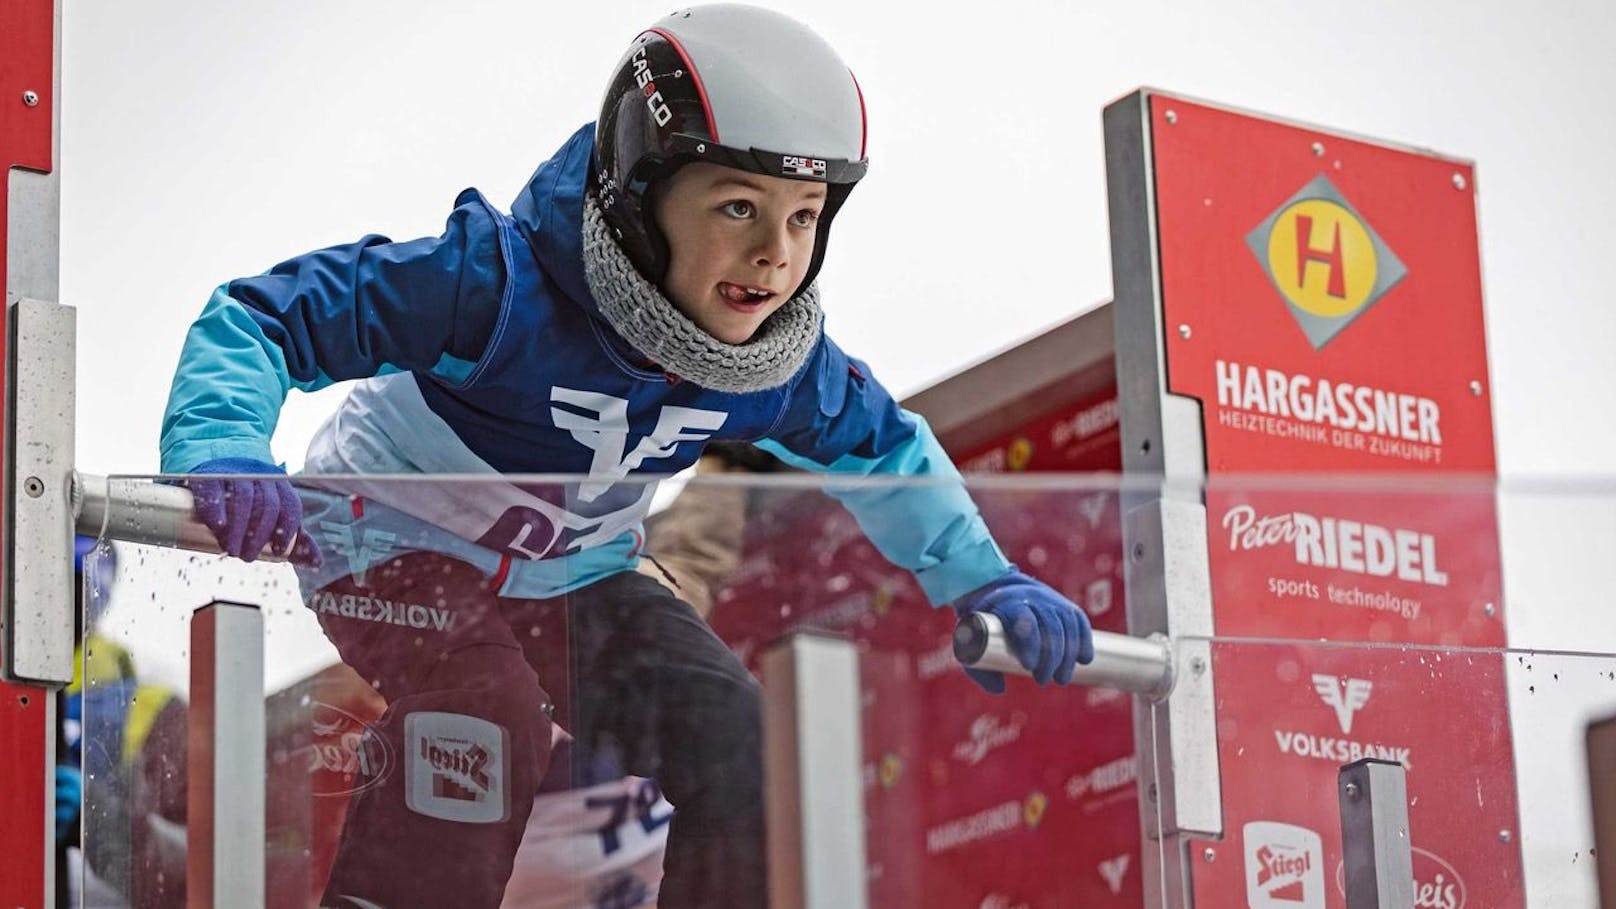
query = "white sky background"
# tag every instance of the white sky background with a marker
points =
(203, 141)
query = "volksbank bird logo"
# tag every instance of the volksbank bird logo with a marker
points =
(1345, 696)
(362, 550)
(1115, 870)
(1325, 260)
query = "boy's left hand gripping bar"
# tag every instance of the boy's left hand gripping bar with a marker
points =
(141, 511)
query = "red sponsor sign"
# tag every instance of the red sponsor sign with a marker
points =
(1322, 297)
(1084, 436)
(1437, 713)
(1345, 565)
(1018, 784)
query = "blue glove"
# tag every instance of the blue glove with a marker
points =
(249, 511)
(69, 793)
(1048, 633)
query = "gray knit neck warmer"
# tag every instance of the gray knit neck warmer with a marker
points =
(645, 318)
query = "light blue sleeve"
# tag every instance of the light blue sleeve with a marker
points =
(841, 421)
(228, 390)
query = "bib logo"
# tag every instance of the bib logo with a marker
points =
(1325, 260)
(456, 768)
(1284, 867)
(603, 428)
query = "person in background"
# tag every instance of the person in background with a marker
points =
(122, 760)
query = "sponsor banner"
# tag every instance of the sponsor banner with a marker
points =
(1293, 714)
(1081, 436)
(1322, 297)
(1356, 566)
(1036, 779)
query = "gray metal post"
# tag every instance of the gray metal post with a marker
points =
(1378, 856)
(1164, 528)
(225, 784)
(38, 581)
(814, 798)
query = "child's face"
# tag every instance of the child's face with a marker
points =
(733, 234)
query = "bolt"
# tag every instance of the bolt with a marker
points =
(30, 98)
(1172, 117)
(1459, 181)
(1198, 665)
(1184, 332)
(701, 148)
(1475, 387)
(1211, 855)
(1318, 149)
(1138, 552)
(34, 486)
(1353, 792)
(1490, 610)
(1505, 836)
(1150, 793)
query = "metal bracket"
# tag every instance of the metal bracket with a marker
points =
(39, 614)
(1378, 855)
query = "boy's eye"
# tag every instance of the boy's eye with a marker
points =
(740, 208)
(805, 218)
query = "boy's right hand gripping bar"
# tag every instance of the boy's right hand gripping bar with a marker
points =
(1139, 665)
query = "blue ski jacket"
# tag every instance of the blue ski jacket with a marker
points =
(482, 353)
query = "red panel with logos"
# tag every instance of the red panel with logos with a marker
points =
(972, 799)
(27, 62)
(1322, 299)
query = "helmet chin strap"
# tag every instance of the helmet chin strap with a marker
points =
(644, 316)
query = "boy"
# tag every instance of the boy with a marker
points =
(653, 290)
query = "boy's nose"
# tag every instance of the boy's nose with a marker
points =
(772, 249)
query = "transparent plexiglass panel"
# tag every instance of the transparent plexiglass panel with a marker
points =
(475, 707)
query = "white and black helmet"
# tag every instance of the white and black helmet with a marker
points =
(731, 84)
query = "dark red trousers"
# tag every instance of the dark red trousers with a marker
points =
(472, 680)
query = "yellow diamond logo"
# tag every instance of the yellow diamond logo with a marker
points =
(891, 771)
(1325, 260)
(1033, 811)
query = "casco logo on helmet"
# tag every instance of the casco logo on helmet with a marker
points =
(653, 98)
(798, 166)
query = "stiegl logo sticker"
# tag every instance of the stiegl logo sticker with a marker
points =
(1284, 866)
(1325, 260)
(456, 768)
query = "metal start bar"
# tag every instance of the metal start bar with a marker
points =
(140, 511)
(1143, 666)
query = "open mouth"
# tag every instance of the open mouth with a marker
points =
(744, 296)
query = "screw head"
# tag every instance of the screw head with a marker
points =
(1490, 610)
(1475, 387)
(701, 148)
(1138, 552)
(1210, 854)
(34, 486)
(1198, 665)
(30, 98)
(1459, 181)
(1318, 149)
(1353, 792)
(1172, 117)
(1505, 836)
(1184, 332)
